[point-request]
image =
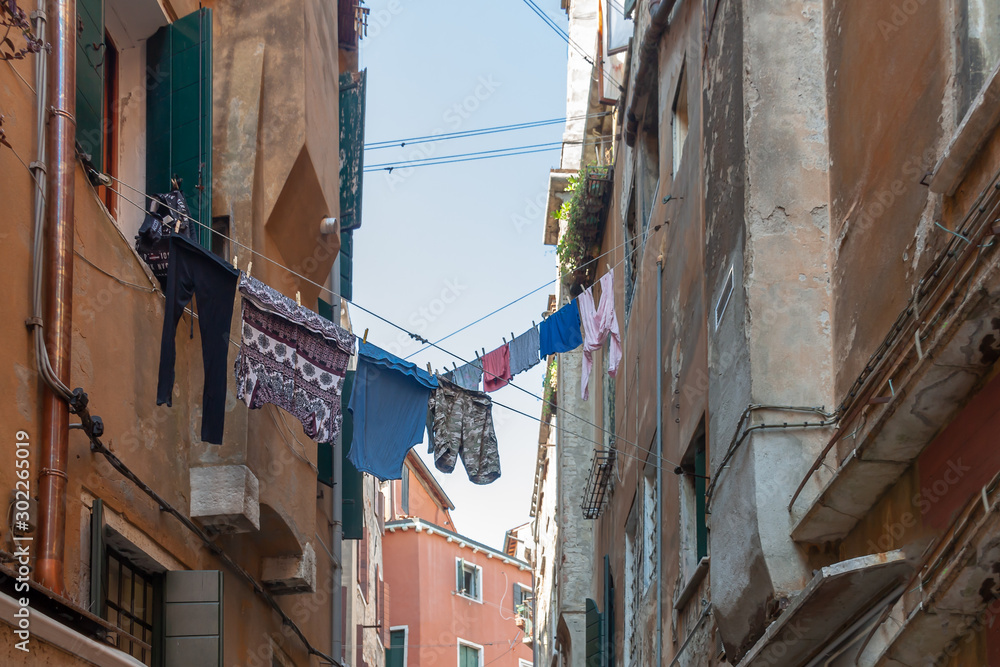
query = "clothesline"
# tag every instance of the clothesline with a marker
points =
(236, 345)
(417, 337)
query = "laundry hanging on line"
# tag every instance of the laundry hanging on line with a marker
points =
(460, 425)
(524, 351)
(166, 215)
(599, 323)
(389, 406)
(496, 368)
(194, 271)
(466, 376)
(292, 358)
(560, 331)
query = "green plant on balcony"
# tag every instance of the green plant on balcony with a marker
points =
(549, 389)
(581, 218)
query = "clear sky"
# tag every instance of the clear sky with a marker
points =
(440, 246)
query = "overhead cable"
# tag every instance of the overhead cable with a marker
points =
(391, 143)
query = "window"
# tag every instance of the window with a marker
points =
(469, 655)
(679, 122)
(633, 589)
(395, 655)
(469, 580)
(179, 114)
(404, 500)
(109, 163)
(631, 253)
(220, 240)
(362, 562)
(128, 604)
(649, 532)
(522, 599)
(694, 519)
(979, 48)
(152, 606)
(723, 301)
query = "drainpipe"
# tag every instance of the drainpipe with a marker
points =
(659, 453)
(61, 101)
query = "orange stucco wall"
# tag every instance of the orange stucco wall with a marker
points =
(420, 582)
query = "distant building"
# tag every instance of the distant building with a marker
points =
(450, 600)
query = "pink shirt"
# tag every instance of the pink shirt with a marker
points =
(496, 368)
(598, 324)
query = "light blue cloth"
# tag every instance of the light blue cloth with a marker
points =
(389, 407)
(524, 351)
(560, 331)
(468, 376)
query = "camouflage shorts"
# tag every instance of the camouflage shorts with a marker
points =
(460, 423)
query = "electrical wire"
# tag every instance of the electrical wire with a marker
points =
(479, 155)
(562, 34)
(403, 163)
(412, 335)
(447, 136)
(468, 159)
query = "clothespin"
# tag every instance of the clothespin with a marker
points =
(533, 323)
(249, 267)
(608, 264)
(429, 372)
(236, 264)
(177, 226)
(512, 336)
(505, 340)
(365, 339)
(484, 351)
(298, 298)
(454, 366)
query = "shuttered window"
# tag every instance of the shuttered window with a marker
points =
(363, 563)
(468, 656)
(179, 114)
(395, 655)
(595, 635)
(351, 481)
(90, 78)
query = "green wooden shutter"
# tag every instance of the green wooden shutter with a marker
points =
(351, 481)
(324, 450)
(352, 147)
(459, 575)
(629, 7)
(609, 614)
(468, 656)
(595, 635)
(192, 618)
(395, 655)
(97, 558)
(347, 265)
(179, 114)
(90, 78)
(700, 508)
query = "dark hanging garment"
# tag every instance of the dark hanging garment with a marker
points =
(166, 215)
(194, 271)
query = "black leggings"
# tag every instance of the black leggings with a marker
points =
(195, 271)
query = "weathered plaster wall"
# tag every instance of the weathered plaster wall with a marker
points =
(787, 311)
(887, 127)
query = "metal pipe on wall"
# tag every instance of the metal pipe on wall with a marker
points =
(60, 106)
(659, 452)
